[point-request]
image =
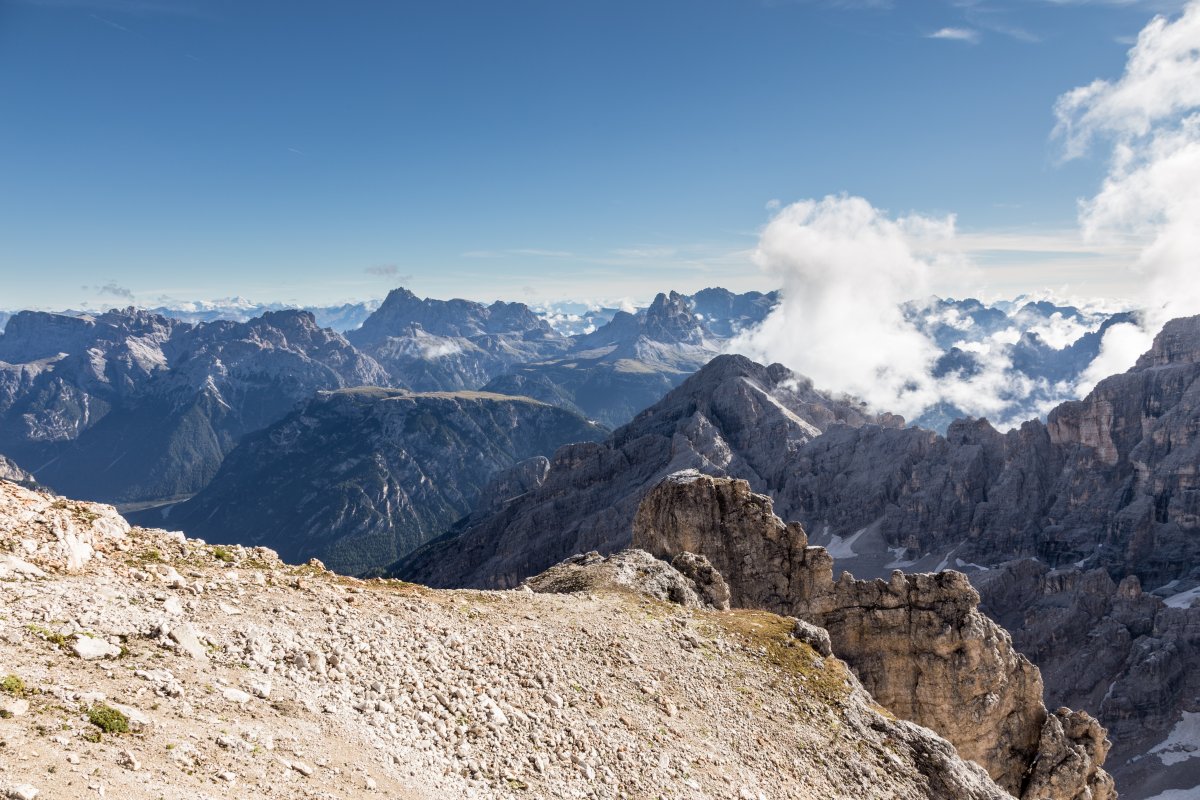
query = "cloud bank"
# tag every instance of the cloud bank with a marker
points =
(846, 320)
(1149, 120)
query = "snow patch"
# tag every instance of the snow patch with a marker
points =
(1178, 794)
(1182, 743)
(808, 428)
(1183, 599)
(945, 562)
(898, 559)
(843, 548)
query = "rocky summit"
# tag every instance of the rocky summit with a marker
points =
(141, 664)
(733, 417)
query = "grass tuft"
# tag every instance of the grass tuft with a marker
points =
(108, 719)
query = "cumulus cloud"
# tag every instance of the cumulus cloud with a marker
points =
(845, 268)
(847, 271)
(1149, 120)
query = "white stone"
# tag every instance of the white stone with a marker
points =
(13, 706)
(236, 695)
(189, 641)
(90, 648)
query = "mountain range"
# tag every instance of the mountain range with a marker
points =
(131, 407)
(454, 443)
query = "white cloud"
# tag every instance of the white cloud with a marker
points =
(968, 35)
(845, 268)
(1150, 119)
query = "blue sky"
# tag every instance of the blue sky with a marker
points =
(319, 152)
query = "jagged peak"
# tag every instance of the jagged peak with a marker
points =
(399, 295)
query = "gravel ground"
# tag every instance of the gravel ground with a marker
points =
(242, 677)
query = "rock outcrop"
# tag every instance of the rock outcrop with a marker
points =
(9, 471)
(918, 642)
(766, 562)
(41, 533)
(701, 586)
(171, 670)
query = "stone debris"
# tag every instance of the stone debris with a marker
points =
(327, 687)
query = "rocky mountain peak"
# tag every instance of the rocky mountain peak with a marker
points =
(34, 335)
(457, 317)
(1177, 343)
(670, 319)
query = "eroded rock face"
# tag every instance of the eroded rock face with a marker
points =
(1127, 654)
(766, 562)
(918, 642)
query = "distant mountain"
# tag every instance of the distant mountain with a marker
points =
(573, 318)
(360, 477)
(450, 345)
(130, 406)
(726, 314)
(614, 372)
(343, 317)
(1036, 352)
